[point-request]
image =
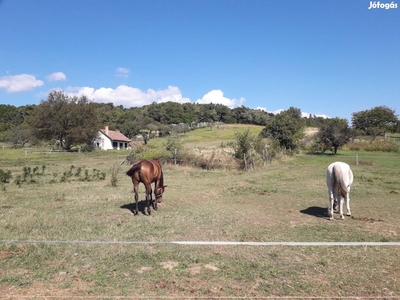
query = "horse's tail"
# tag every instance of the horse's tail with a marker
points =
(338, 177)
(135, 168)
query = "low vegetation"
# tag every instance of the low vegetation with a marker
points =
(283, 200)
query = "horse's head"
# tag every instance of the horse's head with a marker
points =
(160, 192)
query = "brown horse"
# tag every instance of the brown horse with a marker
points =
(147, 172)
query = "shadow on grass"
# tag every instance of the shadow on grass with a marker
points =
(316, 211)
(142, 206)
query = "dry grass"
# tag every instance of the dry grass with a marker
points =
(284, 201)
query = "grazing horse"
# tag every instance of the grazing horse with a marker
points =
(147, 172)
(339, 178)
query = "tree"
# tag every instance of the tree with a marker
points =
(19, 135)
(171, 113)
(333, 134)
(375, 121)
(130, 129)
(286, 128)
(208, 113)
(68, 120)
(243, 145)
(10, 116)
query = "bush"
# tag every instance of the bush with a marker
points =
(114, 175)
(383, 145)
(5, 176)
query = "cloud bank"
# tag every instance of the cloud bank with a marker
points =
(128, 96)
(303, 114)
(122, 95)
(19, 83)
(125, 95)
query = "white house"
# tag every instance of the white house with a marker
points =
(109, 139)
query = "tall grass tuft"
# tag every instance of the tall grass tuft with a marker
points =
(114, 175)
(383, 145)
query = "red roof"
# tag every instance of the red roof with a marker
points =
(115, 136)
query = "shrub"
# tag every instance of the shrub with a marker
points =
(114, 175)
(383, 145)
(5, 176)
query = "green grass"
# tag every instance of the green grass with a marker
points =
(206, 137)
(283, 201)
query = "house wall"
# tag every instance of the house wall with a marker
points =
(103, 142)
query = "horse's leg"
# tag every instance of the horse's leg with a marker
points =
(341, 200)
(331, 202)
(153, 201)
(158, 185)
(136, 189)
(155, 207)
(148, 197)
(348, 202)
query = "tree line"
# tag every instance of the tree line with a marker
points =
(74, 121)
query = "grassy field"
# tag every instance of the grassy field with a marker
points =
(283, 201)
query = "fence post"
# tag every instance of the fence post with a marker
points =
(252, 166)
(245, 163)
(356, 159)
(265, 156)
(175, 156)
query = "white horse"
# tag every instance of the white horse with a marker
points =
(339, 178)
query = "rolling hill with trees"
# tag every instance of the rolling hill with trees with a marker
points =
(72, 122)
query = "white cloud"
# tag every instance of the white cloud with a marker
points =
(303, 114)
(307, 115)
(278, 111)
(122, 72)
(275, 112)
(217, 97)
(19, 83)
(57, 76)
(129, 96)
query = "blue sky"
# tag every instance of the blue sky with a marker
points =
(325, 57)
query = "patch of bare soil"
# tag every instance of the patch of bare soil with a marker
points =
(365, 219)
(7, 207)
(144, 269)
(170, 265)
(366, 163)
(7, 253)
